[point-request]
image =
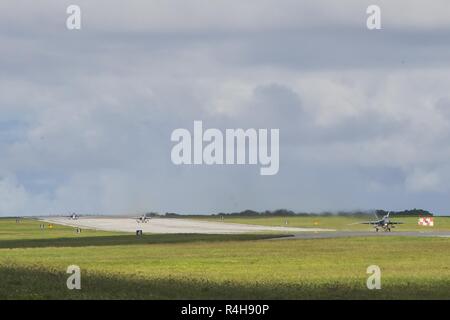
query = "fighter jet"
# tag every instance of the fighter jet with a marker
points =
(73, 216)
(384, 223)
(143, 218)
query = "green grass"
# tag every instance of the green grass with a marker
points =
(334, 222)
(116, 266)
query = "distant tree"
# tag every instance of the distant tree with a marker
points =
(286, 212)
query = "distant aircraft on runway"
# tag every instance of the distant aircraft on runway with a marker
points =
(384, 223)
(74, 216)
(143, 218)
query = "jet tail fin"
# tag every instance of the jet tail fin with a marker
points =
(376, 215)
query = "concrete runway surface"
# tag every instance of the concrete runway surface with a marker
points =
(170, 225)
(344, 234)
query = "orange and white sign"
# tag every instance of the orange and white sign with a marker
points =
(426, 222)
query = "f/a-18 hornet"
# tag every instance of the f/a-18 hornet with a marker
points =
(384, 223)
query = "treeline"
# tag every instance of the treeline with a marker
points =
(285, 212)
(408, 213)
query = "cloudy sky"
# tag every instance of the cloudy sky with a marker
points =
(86, 116)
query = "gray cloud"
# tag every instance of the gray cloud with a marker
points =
(86, 116)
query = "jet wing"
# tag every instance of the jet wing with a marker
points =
(370, 222)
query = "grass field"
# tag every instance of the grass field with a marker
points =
(116, 265)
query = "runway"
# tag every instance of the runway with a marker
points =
(171, 225)
(181, 225)
(345, 234)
